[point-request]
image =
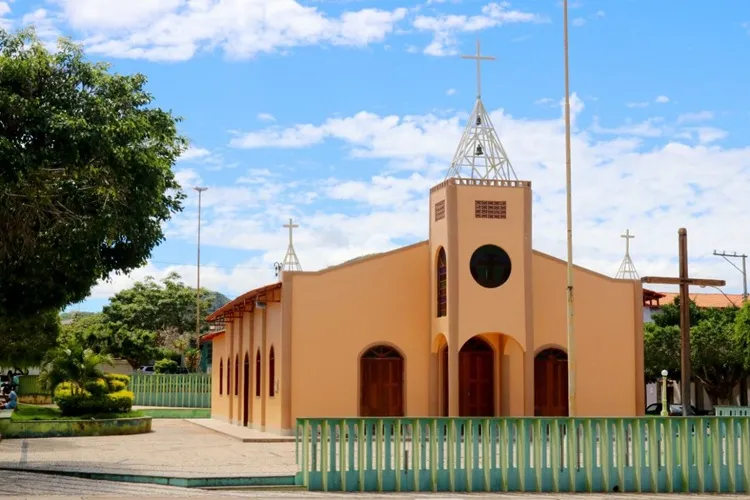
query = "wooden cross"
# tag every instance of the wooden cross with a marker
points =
(479, 58)
(627, 237)
(291, 228)
(684, 281)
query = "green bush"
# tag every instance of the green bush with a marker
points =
(166, 366)
(100, 396)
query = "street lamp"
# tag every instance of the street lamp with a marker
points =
(198, 286)
(664, 410)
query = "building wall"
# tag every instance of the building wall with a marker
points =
(273, 336)
(219, 398)
(608, 329)
(340, 312)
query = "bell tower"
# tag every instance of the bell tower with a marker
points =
(480, 241)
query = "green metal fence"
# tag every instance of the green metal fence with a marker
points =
(732, 411)
(649, 454)
(174, 391)
(28, 385)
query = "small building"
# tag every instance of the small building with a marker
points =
(470, 322)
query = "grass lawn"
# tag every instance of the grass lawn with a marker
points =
(31, 412)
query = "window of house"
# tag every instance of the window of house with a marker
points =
(229, 375)
(442, 284)
(271, 373)
(257, 374)
(236, 374)
(221, 377)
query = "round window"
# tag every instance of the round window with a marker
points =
(490, 266)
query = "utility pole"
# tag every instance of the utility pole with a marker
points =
(569, 206)
(735, 255)
(198, 286)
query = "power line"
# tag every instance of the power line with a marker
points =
(743, 270)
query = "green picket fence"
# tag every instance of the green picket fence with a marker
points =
(648, 454)
(732, 411)
(174, 391)
(28, 385)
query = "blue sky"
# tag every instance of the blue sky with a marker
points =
(342, 114)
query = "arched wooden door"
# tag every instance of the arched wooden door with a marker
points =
(246, 392)
(381, 383)
(476, 379)
(551, 383)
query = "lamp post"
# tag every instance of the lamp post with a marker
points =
(198, 285)
(569, 209)
(664, 410)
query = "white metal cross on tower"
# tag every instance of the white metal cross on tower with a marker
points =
(479, 58)
(480, 154)
(627, 237)
(291, 262)
(627, 268)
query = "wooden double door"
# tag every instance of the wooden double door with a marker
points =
(551, 383)
(476, 379)
(382, 383)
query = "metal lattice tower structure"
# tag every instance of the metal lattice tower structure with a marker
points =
(291, 262)
(627, 268)
(480, 154)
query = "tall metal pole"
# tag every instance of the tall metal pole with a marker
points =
(198, 285)
(685, 377)
(569, 205)
(726, 256)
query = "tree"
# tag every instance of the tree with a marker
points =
(25, 341)
(717, 355)
(86, 181)
(72, 363)
(136, 346)
(167, 308)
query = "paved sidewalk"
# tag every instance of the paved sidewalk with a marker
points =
(175, 448)
(243, 434)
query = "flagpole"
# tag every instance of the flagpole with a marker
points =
(569, 207)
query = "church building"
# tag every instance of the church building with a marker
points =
(470, 322)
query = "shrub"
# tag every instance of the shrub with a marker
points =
(107, 395)
(166, 366)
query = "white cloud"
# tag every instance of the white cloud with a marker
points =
(619, 181)
(637, 104)
(266, 117)
(579, 21)
(174, 30)
(194, 153)
(662, 99)
(450, 91)
(695, 117)
(445, 27)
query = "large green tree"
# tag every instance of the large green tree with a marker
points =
(718, 356)
(86, 181)
(147, 321)
(25, 341)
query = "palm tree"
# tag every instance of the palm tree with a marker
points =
(72, 363)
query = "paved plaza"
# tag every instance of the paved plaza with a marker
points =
(18, 485)
(175, 448)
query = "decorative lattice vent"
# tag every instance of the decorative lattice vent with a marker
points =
(440, 210)
(489, 209)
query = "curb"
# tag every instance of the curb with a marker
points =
(182, 482)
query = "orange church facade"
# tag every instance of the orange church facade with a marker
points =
(471, 322)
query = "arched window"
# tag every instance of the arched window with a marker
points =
(442, 284)
(229, 375)
(257, 374)
(221, 377)
(236, 374)
(271, 373)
